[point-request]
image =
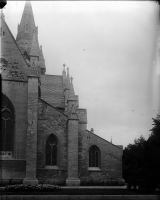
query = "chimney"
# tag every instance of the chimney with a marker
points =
(92, 130)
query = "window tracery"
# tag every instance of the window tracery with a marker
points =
(7, 131)
(51, 151)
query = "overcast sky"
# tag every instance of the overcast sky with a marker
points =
(111, 51)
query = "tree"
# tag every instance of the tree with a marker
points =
(141, 160)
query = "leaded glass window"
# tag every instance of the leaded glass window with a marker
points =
(7, 129)
(51, 151)
(94, 156)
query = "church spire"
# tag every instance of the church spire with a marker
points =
(34, 47)
(26, 29)
(27, 25)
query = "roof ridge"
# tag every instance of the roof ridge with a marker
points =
(104, 139)
(53, 107)
(14, 41)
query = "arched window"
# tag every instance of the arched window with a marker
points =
(51, 151)
(94, 156)
(7, 120)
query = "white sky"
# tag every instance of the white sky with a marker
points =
(110, 48)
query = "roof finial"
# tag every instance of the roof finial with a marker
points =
(92, 130)
(111, 139)
(71, 78)
(64, 66)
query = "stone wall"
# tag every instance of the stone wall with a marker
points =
(13, 169)
(17, 93)
(110, 162)
(51, 121)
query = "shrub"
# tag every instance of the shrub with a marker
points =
(30, 188)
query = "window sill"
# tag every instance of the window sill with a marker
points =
(94, 169)
(51, 167)
(6, 158)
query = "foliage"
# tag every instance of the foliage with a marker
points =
(30, 188)
(98, 179)
(141, 160)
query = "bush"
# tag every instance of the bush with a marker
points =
(30, 188)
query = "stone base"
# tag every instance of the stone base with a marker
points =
(73, 182)
(28, 181)
(121, 181)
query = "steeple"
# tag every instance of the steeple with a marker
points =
(34, 47)
(27, 25)
(26, 29)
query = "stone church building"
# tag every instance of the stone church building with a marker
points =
(44, 134)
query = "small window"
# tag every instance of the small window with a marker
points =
(2, 33)
(26, 28)
(94, 156)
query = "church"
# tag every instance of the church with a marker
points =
(44, 135)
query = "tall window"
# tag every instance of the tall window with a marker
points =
(51, 151)
(7, 121)
(94, 156)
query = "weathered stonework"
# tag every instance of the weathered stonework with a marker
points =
(46, 105)
(72, 153)
(31, 154)
(51, 121)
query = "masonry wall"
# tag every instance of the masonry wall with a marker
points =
(17, 93)
(110, 161)
(51, 121)
(15, 166)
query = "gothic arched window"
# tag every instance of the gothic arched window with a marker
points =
(51, 151)
(7, 120)
(94, 156)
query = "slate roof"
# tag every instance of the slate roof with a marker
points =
(52, 90)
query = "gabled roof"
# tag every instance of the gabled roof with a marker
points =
(53, 107)
(9, 48)
(118, 146)
(52, 90)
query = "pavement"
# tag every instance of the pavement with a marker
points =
(94, 187)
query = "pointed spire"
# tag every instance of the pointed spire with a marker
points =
(34, 47)
(111, 139)
(71, 92)
(27, 25)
